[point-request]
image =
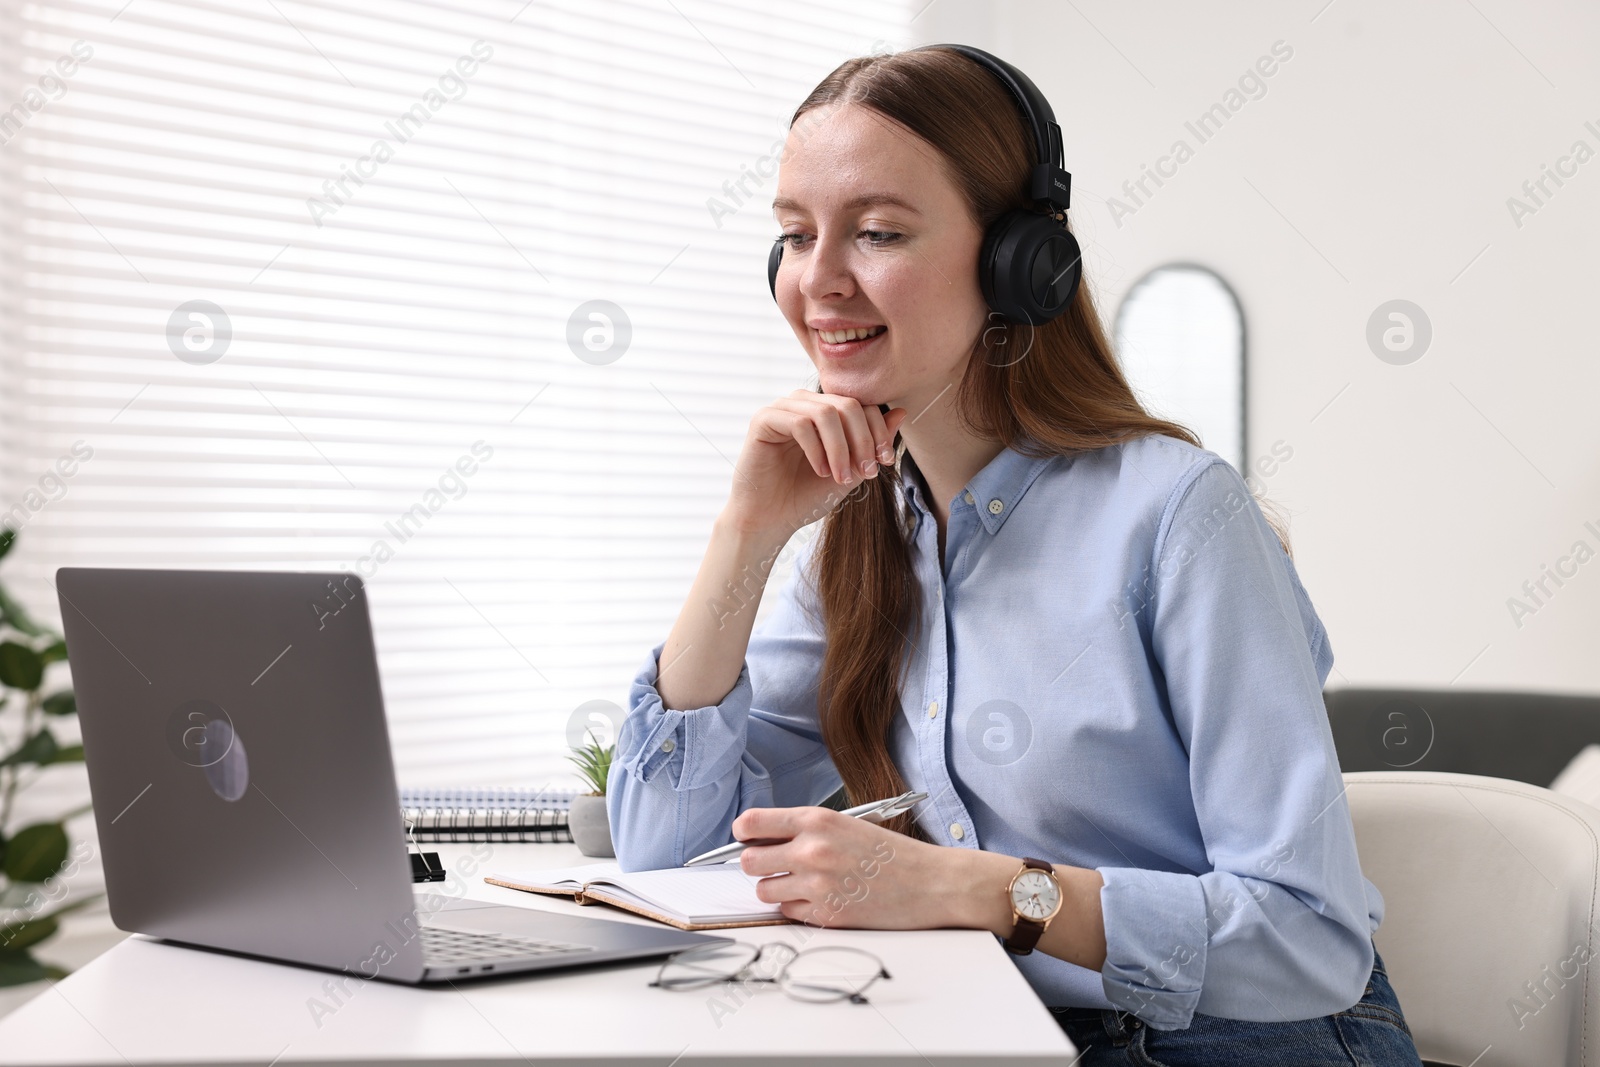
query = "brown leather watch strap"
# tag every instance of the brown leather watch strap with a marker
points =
(1024, 937)
(1027, 931)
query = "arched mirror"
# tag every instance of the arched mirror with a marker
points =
(1180, 339)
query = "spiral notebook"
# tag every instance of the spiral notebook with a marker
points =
(487, 814)
(713, 897)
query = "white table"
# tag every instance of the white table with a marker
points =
(954, 999)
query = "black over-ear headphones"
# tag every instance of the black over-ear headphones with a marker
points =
(1030, 263)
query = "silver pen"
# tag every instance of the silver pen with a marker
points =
(876, 812)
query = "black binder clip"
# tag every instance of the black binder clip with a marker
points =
(425, 866)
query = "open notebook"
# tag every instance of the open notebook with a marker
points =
(715, 897)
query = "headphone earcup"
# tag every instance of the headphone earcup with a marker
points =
(774, 257)
(1029, 267)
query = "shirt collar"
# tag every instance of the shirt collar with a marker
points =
(995, 490)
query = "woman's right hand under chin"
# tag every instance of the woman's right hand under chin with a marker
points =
(803, 455)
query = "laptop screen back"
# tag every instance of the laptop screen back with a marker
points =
(239, 763)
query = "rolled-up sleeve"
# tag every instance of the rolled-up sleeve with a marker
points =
(680, 777)
(1279, 929)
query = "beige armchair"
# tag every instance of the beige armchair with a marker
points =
(1490, 890)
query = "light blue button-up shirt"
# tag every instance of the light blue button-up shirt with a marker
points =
(1117, 668)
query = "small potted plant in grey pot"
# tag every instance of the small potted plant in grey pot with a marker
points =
(591, 826)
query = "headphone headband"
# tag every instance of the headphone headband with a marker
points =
(1049, 184)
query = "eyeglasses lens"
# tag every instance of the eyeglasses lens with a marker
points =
(823, 974)
(704, 966)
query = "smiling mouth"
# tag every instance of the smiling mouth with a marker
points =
(840, 343)
(834, 337)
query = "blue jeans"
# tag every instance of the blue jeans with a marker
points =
(1370, 1033)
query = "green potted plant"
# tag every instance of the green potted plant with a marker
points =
(590, 825)
(32, 896)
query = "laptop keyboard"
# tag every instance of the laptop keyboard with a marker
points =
(441, 946)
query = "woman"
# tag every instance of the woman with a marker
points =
(1057, 615)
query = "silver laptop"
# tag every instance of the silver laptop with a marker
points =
(244, 792)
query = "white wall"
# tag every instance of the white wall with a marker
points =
(1376, 166)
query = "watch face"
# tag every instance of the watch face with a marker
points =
(1034, 894)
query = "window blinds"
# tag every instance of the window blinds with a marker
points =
(468, 299)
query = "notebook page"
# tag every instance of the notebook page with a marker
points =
(716, 893)
(563, 877)
(713, 893)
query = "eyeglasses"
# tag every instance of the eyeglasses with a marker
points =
(815, 975)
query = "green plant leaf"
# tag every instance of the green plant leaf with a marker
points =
(18, 936)
(19, 968)
(36, 852)
(20, 666)
(68, 754)
(54, 652)
(62, 703)
(8, 537)
(593, 763)
(19, 619)
(40, 748)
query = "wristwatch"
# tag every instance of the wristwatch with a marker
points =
(1035, 896)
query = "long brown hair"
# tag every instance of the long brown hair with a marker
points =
(1066, 395)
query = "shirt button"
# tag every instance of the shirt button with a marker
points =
(933, 710)
(668, 745)
(996, 506)
(968, 496)
(956, 831)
